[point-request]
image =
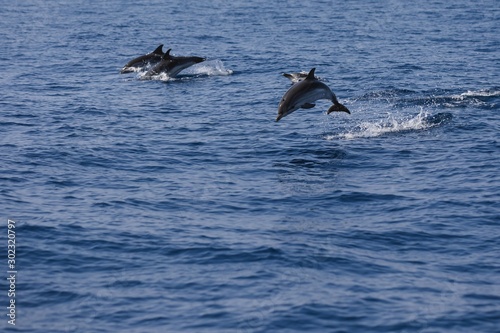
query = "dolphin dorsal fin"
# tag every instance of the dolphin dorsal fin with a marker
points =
(167, 54)
(159, 50)
(310, 76)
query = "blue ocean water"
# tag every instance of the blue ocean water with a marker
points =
(180, 205)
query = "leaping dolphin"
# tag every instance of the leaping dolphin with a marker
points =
(139, 62)
(172, 65)
(303, 95)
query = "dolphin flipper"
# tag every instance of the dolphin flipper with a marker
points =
(308, 106)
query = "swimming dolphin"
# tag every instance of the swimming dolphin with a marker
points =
(296, 77)
(172, 65)
(304, 94)
(139, 62)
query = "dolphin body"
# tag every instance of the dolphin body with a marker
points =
(172, 65)
(303, 94)
(139, 62)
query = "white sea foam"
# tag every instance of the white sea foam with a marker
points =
(392, 124)
(471, 97)
(478, 93)
(211, 67)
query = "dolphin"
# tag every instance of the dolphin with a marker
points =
(303, 95)
(172, 65)
(139, 62)
(296, 77)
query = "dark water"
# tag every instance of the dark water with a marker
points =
(182, 206)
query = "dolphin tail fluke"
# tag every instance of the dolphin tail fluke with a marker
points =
(337, 107)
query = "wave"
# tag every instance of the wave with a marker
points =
(370, 129)
(478, 93)
(483, 98)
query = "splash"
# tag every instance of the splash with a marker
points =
(210, 68)
(206, 68)
(158, 77)
(392, 124)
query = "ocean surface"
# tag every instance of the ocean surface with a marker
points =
(181, 205)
